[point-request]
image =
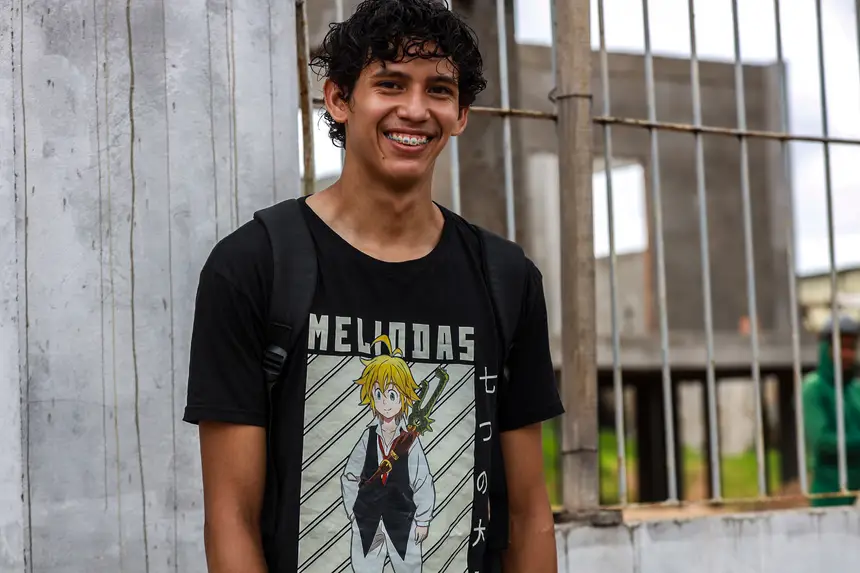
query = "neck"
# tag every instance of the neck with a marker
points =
(392, 224)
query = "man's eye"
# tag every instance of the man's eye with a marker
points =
(388, 85)
(441, 90)
(391, 396)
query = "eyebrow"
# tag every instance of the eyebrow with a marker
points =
(439, 78)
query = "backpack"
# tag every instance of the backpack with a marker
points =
(294, 283)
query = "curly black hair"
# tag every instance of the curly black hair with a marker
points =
(391, 31)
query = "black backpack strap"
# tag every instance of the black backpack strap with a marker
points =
(294, 281)
(504, 267)
(293, 285)
(505, 270)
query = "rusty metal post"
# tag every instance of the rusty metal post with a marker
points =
(305, 98)
(581, 491)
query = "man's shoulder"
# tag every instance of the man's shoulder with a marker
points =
(812, 384)
(477, 232)
(478, 237)
(244, 257)
(811, 377)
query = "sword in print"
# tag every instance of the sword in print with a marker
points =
(418, 423)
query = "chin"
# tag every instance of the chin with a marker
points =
(407, 176)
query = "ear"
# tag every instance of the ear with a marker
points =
(335, 103)
(461, 122)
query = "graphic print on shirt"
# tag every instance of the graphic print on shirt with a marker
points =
(388, 454)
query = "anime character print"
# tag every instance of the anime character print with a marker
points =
(388, 489)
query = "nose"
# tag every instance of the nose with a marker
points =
(414, 107)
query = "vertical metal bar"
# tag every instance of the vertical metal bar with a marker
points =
(617, 380)
(305, 99)
(656, 205)
(456, 204)
(701, 193)
(502, 29)
(857, 24)
(831, 241)
(792, 281)
(454, 150)
(553, 51)
(581, 487)
(340, 16)
(749, 253)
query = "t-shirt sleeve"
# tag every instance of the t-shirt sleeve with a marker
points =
(530, 394)
(226, 381)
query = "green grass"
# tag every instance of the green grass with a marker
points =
(609, 463)
(739, 473)
(552, 459)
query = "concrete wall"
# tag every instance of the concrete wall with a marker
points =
(12, 512)
(129, 143)
(786, 542)
(631, 270)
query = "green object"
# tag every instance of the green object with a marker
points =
(420, 419)
(819, 406)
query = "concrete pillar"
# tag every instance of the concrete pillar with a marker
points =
(12, 315)
(11, 265)
(139, 137)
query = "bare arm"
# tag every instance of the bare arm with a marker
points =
(532, 543)
(234, 477)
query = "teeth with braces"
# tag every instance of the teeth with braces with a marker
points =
(408, 140)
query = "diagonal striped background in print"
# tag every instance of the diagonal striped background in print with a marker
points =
(335, 421)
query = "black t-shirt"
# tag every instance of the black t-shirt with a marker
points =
(382, 434)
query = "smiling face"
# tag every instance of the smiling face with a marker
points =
(399, 118)
(387, 384)
(387, 402)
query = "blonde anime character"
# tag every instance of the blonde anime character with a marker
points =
(387, 487)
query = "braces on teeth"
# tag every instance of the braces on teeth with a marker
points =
(408, 140)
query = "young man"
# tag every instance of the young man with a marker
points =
(819, 413)
(393, 427)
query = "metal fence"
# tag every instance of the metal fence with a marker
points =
(743, 134)
(576, 120)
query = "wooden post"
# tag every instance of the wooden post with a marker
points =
(305, 98)
(580, 476)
